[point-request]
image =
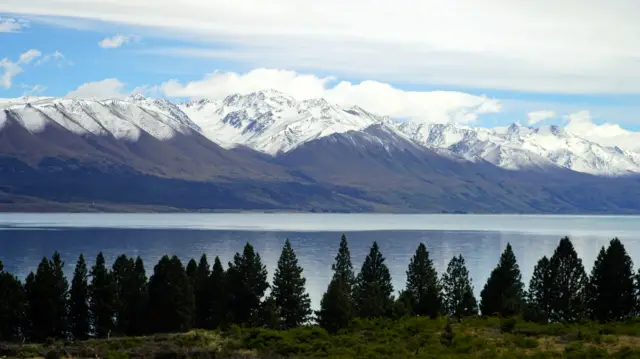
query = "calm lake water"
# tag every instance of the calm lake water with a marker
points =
(26, 238)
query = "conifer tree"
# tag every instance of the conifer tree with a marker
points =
(202, 294)
(337, 306)
(246, 285)
(291, 299)
(192, 268)
(79, 320)
(130, 281)
(423, 285)
(503, 293)
(171, 300)
(12, 307)
(218, 302)
(102, 298)
(31, 323)
(458, 298)
(569, 279)
(611, 289)
(47, 295)
(373, 286)
(539, 294)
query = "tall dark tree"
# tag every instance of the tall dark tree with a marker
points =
(202, 294)
(130, 281)
(12, 307)
(79, 320)
(423, 285)
(192, 268)
(539, 294)
(611, 289)
(102, 298)
(373, 286)
(458, 298)
(218, 292)
(569, 280)
(503, 293)
(47, 295)
(246, 285)
(291, 298)
(171, 300)
(337, 306)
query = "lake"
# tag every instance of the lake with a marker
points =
(26, 238)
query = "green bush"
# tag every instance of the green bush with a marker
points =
(507, 325)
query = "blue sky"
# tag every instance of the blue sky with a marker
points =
(470, 67)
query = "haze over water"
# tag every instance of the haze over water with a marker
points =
(26, 238)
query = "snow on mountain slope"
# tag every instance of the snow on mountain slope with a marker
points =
(271, 122)
(519, 147)
(123, 119)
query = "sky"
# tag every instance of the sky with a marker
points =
(474, 62)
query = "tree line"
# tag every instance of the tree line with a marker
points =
(121, 301)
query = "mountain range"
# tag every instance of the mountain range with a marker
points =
(268, 151)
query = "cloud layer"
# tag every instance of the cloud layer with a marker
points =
(107, 88)
(12, 69)
(12, 25)
(607, 134)
(378, 97)
(587, 46)
(539, 116)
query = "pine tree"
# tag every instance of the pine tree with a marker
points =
(337, 306)
(192, 268)
(611, 290)
(218, 301)
(79, 319)
(246, 285)
(539, 294)
(373, 286)
(569, 279)
(12, 307)
(171, 300)
(47, 295)
(130, 282)
(422, 284)
(403, 306)
(458, 298)
(503, 293)
(102, 298)
(202, 294)
(292, 301)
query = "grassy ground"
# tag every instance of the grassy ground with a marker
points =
(407, 338)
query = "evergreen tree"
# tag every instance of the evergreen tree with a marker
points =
(567, 295)
(47, 295)
(102, 298)
(130, 282)
(292, 301)
(539, 294)
(337, 306)
(611, 289)
(458, 298)
(202, 293)
(218, 301)
(422, 284)
(246, 285)
(171, 300)
(12, 307)
(192, 268)
(373, 286)
(403, 306)
(79, 320)
(270, 314)
(503, 293)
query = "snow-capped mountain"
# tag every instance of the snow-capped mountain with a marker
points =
(272, 122)
(518, 147)
(120, 118)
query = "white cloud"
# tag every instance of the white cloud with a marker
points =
(33, 90)
(377, 97)
(116, 41)
(587, 46)
(107, 88)
(57, 57)
(607, 134)
(539, 116)
(12, 25)
(12, 69)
